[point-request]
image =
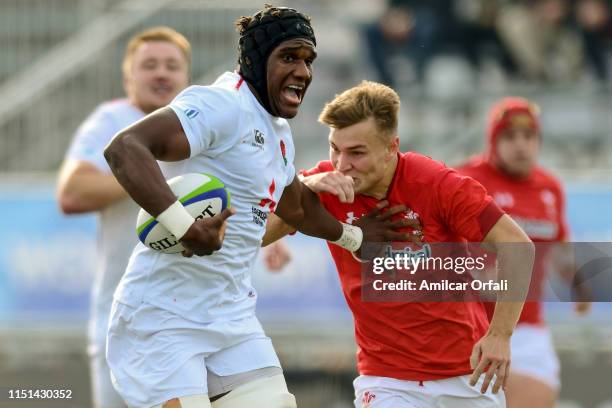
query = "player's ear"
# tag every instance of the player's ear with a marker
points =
(392, 147)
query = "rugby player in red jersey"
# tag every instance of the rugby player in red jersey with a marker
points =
(414, 354)
(534, 199)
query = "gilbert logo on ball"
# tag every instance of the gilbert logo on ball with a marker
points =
(201, 194)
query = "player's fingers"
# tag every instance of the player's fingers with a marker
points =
(474, 358)
(222, 231)
(417, 238)
(350, 197)
(506, 374)
(475, 376)
(393, 210)
(187, 253)
(225, 214)
(346, 185)
(489, 376)
(416, 224)
(341, 193)
(404, 223)
(376, 211)
(398, 236)
(500, 377)
(325, 187)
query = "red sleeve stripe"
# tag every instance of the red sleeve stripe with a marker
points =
(488, 217)
(239, 83)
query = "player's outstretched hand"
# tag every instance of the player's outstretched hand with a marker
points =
(205, 235)
(491, 356)
(332, 182)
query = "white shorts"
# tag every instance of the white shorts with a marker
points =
(103, 392)
(533, 354)
(155, 355)
(455, 392)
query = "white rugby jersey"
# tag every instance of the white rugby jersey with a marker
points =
(235, 139)
(116, 222)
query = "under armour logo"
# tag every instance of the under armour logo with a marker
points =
(350, 217)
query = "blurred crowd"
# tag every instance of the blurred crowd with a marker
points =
(542, 41)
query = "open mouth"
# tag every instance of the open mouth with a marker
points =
(293, 94)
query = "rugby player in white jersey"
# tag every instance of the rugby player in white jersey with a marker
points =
(183, 331)
(155, 69)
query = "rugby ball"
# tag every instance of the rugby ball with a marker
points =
(201, 194)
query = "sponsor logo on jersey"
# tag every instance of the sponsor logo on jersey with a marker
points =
(258, 139)
(191, 113)
(260, 216)
(424, 252)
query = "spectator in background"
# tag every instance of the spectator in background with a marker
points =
(541, 39)
(408, 28)
(478, 36)
(155, 69)
(594, 21)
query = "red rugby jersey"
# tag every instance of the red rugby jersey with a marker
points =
(417, 341)
(537, 204)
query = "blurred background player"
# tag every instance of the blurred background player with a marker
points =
(155, 69)
(534, 198)
(414, 353)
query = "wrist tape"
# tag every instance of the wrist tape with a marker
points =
(176, 219)
(351, 238)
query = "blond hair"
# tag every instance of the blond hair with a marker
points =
(366, 100)
(161, 33)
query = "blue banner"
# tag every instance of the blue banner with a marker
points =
(47, 261)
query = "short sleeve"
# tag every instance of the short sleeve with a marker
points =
(92, 137)
(465, 206)
(210, 118)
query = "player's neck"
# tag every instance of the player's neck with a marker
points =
(379, 191)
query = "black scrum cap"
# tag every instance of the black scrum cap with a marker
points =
(267, 29)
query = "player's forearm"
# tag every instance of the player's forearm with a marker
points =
(505, 317)
(136, 169)
(85, 192)
(276, 228)
(312, 219)
(515, 263)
